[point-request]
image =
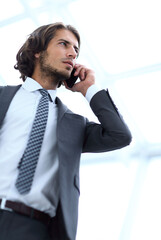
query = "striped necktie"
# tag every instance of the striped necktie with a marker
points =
(28, 162)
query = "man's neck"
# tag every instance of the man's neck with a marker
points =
(45, 81)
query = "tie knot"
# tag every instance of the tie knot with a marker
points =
(43, 92)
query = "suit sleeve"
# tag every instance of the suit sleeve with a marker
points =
(112, 133)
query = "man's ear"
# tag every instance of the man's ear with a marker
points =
(37, 55)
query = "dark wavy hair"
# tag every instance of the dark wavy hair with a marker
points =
(37, 42)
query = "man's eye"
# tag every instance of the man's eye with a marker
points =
(76, 50)
(63, 43)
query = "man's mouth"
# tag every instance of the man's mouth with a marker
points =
(69, 63)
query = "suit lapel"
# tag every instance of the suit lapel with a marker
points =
(61, 108)
(6, 96)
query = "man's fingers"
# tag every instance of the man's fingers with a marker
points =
(78, 68)
(81, 71)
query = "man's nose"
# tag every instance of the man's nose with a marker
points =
(72, 53)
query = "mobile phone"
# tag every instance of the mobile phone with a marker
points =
(70, 82)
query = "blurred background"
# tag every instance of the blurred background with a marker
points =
(121, 40)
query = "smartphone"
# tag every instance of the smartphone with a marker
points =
(70, 82)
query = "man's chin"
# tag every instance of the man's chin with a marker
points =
(62, 76)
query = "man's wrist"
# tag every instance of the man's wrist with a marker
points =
(91, 91)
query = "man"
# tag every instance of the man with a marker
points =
(41, 140)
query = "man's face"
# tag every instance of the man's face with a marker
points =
(59, 58)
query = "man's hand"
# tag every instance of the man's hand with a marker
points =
(86, 76)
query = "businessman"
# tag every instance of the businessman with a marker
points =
(41, 140)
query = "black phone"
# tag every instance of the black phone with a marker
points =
(70, 82)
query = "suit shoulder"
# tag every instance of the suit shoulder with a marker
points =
(11, 89)
(2, 88)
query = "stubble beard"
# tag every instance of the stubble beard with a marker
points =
(55, 75)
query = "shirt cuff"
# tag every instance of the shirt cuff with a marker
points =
(91, 91)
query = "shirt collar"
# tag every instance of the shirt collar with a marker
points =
(31, 85)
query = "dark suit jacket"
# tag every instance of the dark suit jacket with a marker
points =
(75, 134)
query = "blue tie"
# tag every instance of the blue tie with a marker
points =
(28, 162)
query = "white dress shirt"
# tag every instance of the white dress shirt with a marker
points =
(14, 133)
